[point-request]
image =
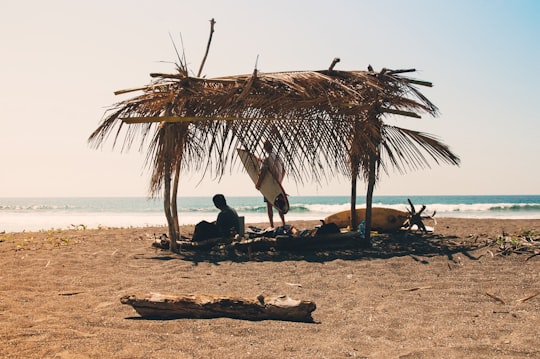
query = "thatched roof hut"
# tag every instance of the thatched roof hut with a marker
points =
(322, 122)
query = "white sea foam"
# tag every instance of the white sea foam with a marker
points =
(62, 213)
(12, 222)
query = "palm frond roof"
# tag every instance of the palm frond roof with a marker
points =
(314, 118)
(325, 94)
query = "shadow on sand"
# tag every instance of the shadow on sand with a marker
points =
(418, 246)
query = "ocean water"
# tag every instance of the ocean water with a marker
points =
(31, 214)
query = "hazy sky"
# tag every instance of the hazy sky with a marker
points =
(61, 61)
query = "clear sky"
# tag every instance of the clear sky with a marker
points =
(61, 61)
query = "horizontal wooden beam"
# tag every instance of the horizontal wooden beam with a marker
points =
(419, 82)
(173, 119)
(143, 88)
(394, 72)
(132, 120)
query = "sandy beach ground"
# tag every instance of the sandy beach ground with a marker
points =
(452, 294)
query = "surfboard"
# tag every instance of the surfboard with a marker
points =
(270, 188)
(382, 219)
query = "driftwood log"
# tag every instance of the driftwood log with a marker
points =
(166, 306)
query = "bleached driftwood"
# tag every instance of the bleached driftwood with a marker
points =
(166, 306)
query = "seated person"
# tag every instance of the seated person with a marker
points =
(227, 222)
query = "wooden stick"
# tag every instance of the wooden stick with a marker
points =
(149, 119)
(143, 88)
(334, 62)
(521, 300)
(534, 255)
(496, 298)
(167, 76)
(212, 23)
(419, 82)
(414, 289)
(393, 72)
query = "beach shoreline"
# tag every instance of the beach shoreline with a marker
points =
(35, 214)
(449, 294)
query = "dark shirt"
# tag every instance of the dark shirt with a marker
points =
(227, 219)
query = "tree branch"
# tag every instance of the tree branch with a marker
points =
(212, 23)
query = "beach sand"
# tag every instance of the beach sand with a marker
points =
(452, 294)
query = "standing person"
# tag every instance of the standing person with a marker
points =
(271, 164)
(226, 222)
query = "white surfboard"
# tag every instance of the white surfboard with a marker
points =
(270, 188)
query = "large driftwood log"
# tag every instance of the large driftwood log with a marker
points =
(166, 306)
